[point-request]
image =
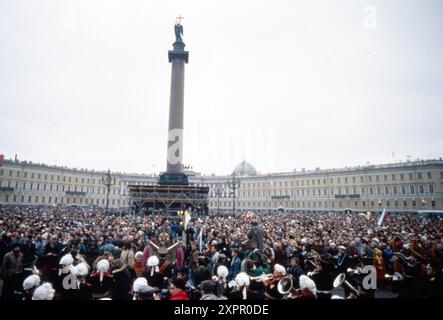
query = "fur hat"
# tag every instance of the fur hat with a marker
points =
(146, 291)
(280, 269)
(242, 279)
(307, 283)
(66, 260)
(31, 282)
(81, 269)
(44, 292)
(138, 283)
(222, 271)
(139, 255)
(142, 289)
(153, 261)
(103, 265)
(153, 264)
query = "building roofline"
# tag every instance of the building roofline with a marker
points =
(82, 170)
(399, 165)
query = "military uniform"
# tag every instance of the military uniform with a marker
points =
(100, 288)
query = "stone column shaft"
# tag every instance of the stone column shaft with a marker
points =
(176, 107)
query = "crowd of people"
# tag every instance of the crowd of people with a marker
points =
(78, 253)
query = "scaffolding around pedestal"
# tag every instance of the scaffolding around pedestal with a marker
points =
(168, 200)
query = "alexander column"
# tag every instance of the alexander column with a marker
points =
(174, 174)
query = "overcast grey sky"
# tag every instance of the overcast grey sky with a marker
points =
(282, 84)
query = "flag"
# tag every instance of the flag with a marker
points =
(187, 217)
(382, 218)
(200, 240)
(348, 220)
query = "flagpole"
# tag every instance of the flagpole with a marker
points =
(200, 240)
(184, 229)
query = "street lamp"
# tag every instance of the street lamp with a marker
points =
(348, 203)
(268, 192)
(108, 180)
(233, 184)
(218, 192)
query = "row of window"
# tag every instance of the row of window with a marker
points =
(376, 190)
(40, 176)
(307, 182)
(377, 178)
(327, 204)
(59, 188)
(372, 190)
(61, 200)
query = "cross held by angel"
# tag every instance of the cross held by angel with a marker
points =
(178, 28)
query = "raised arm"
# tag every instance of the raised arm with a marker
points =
(153, 244)
(174, 245)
